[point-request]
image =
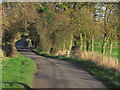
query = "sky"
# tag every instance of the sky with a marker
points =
(0, 1)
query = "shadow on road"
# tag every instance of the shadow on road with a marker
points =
(23, 50)
(24, 85)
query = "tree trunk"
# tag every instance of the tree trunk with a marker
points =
(81, 42)
(70, 47)
(85, 43)
(105, 38)
(111, 46)
(63, 48)
(10, 50)
(14, 52)
(104, 44)
(92, 44)
(103, 48)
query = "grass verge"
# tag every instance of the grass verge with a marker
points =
(109, 76)
(18, 72)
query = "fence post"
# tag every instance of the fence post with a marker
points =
(108, 59)
(102, 57)
(117, 64)
(92, 55)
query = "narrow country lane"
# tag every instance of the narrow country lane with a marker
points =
(53, 73)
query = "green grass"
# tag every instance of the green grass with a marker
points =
(115, 50)
(109, 76)
(18, 72)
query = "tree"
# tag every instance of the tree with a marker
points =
(58, 27)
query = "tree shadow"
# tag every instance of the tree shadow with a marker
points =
(24, 85)
(23, 50)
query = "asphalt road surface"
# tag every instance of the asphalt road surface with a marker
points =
(53, 73)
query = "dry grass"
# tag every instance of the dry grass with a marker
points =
(101, 60)
(1, 53)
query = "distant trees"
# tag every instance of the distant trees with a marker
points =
(57, 28)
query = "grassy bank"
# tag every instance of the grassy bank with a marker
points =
(109, 76)
(18, 72)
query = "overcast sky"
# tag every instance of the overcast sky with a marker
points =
(0, 1)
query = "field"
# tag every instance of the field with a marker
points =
(18, 72)
(115, 50)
